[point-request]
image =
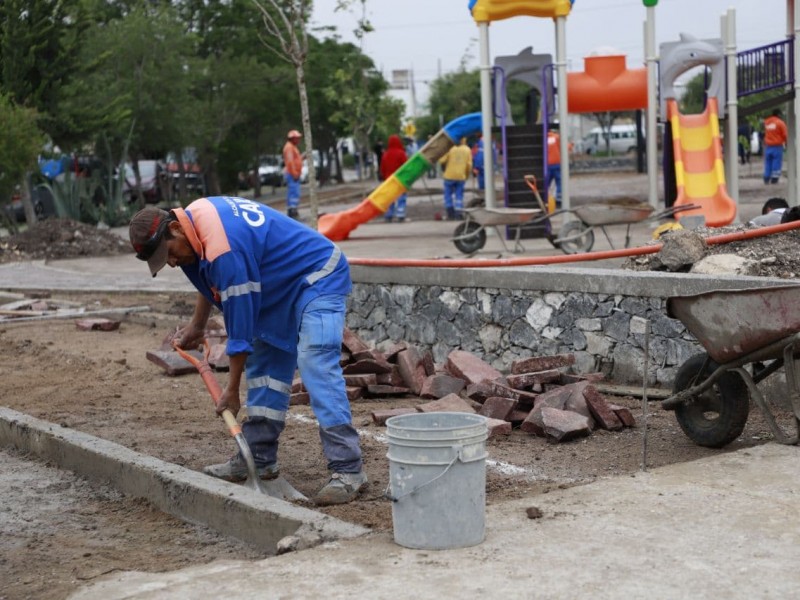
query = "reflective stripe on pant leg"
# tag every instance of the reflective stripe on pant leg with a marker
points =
(268, 370)
(292, 192)
(448, 193)
(459, 195)
(401, 206)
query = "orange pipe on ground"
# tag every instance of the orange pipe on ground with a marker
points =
(724, 238)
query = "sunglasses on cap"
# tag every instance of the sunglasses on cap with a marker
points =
(146, 250)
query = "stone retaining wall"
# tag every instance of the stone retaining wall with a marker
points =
(503, 315)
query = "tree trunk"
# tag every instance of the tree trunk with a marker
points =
(27, 201)
(312, 168)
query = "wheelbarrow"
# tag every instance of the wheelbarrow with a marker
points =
(756, 328)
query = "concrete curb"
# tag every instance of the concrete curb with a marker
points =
(230, 509)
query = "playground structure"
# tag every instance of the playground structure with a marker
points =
(694, 171)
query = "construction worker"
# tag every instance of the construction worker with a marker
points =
(293, 167)
(554, 165)
(775, 137)
(458, 167)
(282, 288)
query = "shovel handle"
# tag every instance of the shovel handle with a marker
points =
(214, 388)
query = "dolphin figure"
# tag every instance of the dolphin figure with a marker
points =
(690, 52)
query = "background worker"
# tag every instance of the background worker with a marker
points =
(282, 288)
(293, 161)
(775, 136)
(457, 169)
(554, 164)
(771, 213)
(393, 158)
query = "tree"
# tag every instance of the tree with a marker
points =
(451, 96)
(20, 144)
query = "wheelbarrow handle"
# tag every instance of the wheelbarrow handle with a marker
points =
(213, 386)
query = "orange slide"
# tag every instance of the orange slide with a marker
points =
(699, 171)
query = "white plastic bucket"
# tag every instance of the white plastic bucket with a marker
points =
(437, 479)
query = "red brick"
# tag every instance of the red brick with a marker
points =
(352, 342)
(542, 363)
(386, 390)
(525, 381)
(624, 415)
(470, 368)
(450, 403)
(367, 366)
(562, 425)
(97, 324)
(300, 399)
(171, 362)
(297, 385)
(409, 361)
(437, 386)
(498, 407)
(606, 417)
(379, 417)
(498, 427)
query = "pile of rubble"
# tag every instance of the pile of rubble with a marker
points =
(538, 397)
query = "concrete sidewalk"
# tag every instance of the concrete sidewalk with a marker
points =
(722, 527)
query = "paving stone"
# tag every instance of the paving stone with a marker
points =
(172, 363)
(542, 363)
(386, 390)
(297, 385)
(577, 402)
(498, 427)
(525, 381)
(411, 368)
(441, 384)
(300, 399)
(360, 379)
(556, 398)
(450, 403)
(498, 407)
(563, 425)
(392, 351)
(367, 366)
(218, 357)
(518, 415)
(428, 363)
(624, 414)
(486, 389)
(97, 324)
(344, 359)
(379, 417)
(470, 368)
(567, 378)
(354, 393)
(352, 342)
(606, 418)
(394, 378)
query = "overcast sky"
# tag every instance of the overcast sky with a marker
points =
(432, 37)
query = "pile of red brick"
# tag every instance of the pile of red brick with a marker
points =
(538, 397)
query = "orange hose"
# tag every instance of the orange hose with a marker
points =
(559, 259)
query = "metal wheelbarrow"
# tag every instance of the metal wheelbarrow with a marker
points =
(756, 327)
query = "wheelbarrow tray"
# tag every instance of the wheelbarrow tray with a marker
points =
(613, 213)
(730, 324)
(489, 217)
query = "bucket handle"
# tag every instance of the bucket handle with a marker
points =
(387, 493)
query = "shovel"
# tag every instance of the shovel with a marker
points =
(278, 487)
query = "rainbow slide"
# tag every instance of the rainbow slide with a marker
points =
(338, 226)
(699, 171)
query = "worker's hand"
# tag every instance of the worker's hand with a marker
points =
(230, 401)
(189, 337)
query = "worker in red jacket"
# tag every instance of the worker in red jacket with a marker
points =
(394, 158)
(775, 136)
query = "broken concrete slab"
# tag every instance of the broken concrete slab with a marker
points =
(563, 425)
(97, 324)
(441, 384)
(542, 363)
(470, 368)
(450, 403)
(171, 362)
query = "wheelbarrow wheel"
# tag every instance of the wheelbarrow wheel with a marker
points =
(469, 237)
(583, 238)
(718, 416)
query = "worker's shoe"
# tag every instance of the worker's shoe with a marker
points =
(342, 488)
(293, 213)
(451, 214)
(236, 470)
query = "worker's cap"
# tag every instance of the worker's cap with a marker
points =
(293, 134)
(146, 233)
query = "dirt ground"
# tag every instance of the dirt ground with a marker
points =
(102, 384)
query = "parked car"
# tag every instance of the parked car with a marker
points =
(317, 165)
(270, 170)
(195, 182)
(622, 140)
